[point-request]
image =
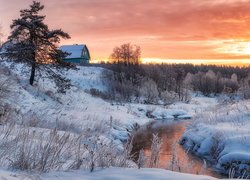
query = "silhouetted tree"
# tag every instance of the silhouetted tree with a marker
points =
(34, 44)
(126, 53)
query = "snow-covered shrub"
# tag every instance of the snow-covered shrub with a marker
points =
(28, 149)
(244, 90)
(5, 88)
(148, 91)
(155, 151)
(102, 152)
(6, 92)
(120, 86)
(169, 97)
(36, 120)
(213, 83)
(141, 159)
(97, 93)
(44, 150)
(5, 84)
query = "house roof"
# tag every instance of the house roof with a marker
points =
(74, 50)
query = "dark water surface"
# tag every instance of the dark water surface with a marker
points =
(171, 151)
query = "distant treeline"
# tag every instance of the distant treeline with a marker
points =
(151, 83)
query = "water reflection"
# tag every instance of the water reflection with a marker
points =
(172, 155)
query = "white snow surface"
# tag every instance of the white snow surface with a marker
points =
(105, 174)
(79, 108)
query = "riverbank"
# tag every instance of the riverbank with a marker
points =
(223, 136)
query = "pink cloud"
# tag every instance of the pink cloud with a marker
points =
(107, 23)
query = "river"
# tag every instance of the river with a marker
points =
(172, 155)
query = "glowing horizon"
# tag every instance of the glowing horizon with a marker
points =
(237, 62)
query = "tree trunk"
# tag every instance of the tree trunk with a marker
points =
(32, 75)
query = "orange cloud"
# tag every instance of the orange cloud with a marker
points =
(193, 29)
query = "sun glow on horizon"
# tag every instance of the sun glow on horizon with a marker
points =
(233, 62)
(238, 62)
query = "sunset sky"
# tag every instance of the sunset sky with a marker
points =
(165, 29)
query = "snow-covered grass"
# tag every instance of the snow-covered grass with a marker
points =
(79, 114)
(80, 109)
(224, 135)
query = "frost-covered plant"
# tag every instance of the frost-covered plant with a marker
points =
(141, 159)
(28, 149)
(43, 150)
(149, 91)
(155, 151)
(169, 97)
(6, 92)
(175, 164)
(5, 88)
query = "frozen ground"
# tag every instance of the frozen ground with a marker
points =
(80, 110)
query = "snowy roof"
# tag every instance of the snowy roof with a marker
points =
(74, 50)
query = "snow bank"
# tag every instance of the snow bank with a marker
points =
(180, 110)
(239, 161)
(224, 136)
(168, 113)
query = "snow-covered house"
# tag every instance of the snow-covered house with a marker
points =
(78, 53)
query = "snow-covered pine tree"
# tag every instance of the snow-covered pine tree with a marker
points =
(34, 44)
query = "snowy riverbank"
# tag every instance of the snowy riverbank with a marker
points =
(223, 135)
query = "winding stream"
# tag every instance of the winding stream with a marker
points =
(171, 151)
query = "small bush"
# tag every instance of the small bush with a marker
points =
(97, 93)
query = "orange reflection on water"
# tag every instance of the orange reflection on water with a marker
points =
(172, 155)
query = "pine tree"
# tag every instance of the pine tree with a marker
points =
(34, 44)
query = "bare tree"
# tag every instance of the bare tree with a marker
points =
(126, 53)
